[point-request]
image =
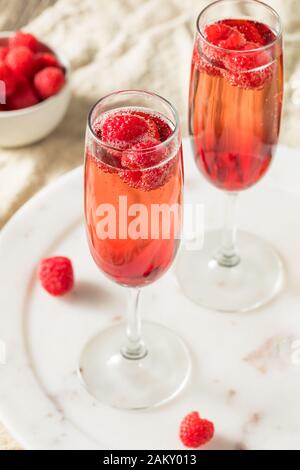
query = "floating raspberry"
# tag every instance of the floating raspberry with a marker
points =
(132, 177)
(49, 81)
(123, 130)
(152, 123)
(222, 36)
(250, 80)
(195, 431)
(235, 41)
(266, 33)
(217, 32)
(164, 129)
(21, 61)
(158, 177)
(248, 29)
(246, 70)
(23, 97)
(3, 53)
(8, 78)
(250, 60)
(249, 70)
(24, 39)
(135, 158)
(56, 275)
(149, 179)
(46, 59)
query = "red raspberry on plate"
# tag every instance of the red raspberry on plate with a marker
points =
(125, 129)
(24, 39)
(49, 81)
(195, 431)
(7, 76)
(21, 61)
(23, 97)
(46, 59)
(135, 158)
(3, 53)
(56, 275)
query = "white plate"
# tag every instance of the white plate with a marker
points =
(243, 376)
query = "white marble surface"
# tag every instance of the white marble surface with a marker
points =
(245, 377)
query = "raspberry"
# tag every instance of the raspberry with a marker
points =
(24, 39)
(248, 29)
(221, 35)
(157, 177)
(241, 68)
(49, 81)
(248, 61)
(8, 78)
(266, 33)
(132, 178)
(250, 80)
(148, 180)
(3, 52)
(125, 129)
(200, 63)
(195, 431)
(152, 123)
(217, 32)
(46, 59)
(56, 275)
(135, 158)
(23, 97)
(21, 61)
(235, 41)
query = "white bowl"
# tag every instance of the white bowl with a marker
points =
(28, 125)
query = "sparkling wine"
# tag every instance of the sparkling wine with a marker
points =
(137, 176)
(236, 94)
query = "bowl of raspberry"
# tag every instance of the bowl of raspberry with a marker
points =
(34, 89)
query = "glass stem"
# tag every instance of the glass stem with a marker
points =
(134, 347)
(227, 255)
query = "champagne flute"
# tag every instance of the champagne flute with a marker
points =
(134, 161)
(236, 93)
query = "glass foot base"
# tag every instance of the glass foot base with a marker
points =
(135, 384)
(252, 283)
